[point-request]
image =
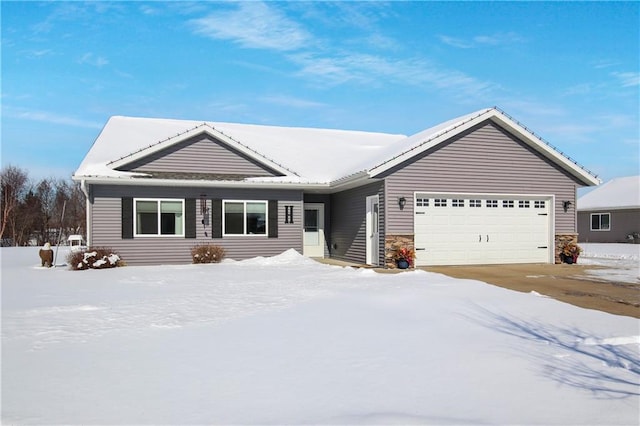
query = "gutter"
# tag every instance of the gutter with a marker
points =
(202, 183)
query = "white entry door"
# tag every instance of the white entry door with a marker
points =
(373, 230)
(313, 238)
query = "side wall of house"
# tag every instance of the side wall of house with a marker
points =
(106, 211)
(623, 223)
(485, 159)
(348, 223)
(200, 154)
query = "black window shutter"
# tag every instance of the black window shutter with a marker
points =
(273, 218)
(216, 218)
(190, 218)
(127, 218)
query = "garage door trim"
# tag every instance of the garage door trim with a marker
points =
(512, 202)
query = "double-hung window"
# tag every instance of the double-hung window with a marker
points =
(159, 217)
(245, 217)
(600, 221)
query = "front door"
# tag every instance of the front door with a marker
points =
(313, 238)
(373, 230)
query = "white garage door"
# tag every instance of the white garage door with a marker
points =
(476, 229)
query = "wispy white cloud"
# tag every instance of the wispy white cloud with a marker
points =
(266, 26)
(291, 101)
(374, 70)
(94, 60)
(605, 63)
(497, 39)
(627, 79)
(48, 117)
(40, 53)
(455, 42)
(253, 25)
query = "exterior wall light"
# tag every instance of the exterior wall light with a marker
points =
(566, 205)
(402, 202)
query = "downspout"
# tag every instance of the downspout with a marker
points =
(85, 191)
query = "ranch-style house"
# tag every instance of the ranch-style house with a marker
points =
(478, 189)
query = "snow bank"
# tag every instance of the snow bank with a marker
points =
(622, 261)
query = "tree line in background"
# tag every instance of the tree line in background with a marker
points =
(32, 211)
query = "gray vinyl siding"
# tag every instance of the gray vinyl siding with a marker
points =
(485, 159)
(623, 223)
(200, 154)
(105, 219)
(348, 223)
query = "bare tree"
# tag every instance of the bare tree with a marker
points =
(34, 212)
(14, 183)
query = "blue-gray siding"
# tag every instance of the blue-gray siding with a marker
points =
(105, 218)
(348, 223)
(486, 159)
(200, 154)
(623, 223)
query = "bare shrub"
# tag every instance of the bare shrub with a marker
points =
(207, 253)
(94, 258)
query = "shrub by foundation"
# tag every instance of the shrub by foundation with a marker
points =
(207, 253)
(94, 258)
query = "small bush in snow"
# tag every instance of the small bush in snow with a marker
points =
(207, 253)
(94, 258)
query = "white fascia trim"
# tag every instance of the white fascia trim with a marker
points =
(605, 209)
(201, 183)
(198, 130)
(352, 181)
(505, 122)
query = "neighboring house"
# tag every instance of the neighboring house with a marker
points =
(611, 212)
(479, 189)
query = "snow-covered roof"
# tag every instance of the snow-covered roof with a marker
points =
(301, 155)
(616, 194)
(315, 155)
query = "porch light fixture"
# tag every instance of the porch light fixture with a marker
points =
(566, 205)
(402, 202)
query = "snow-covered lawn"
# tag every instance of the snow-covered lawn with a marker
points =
(286, 340)
(623, 261)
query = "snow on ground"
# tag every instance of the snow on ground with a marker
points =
(286, 340)
(623, 261)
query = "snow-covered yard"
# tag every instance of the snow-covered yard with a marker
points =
(286, 340)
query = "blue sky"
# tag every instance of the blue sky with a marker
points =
(569, 71)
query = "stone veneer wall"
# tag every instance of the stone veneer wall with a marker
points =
(393, 243)
(561, 240)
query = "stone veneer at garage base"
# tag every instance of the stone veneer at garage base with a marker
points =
(395, 242)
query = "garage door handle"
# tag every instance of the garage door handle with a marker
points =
(487, 238)
(543, 247)
(479, 238)
(418, 249)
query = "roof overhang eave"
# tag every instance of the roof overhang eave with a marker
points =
(104, 180)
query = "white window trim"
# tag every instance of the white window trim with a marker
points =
(158, 200)
(600, 229)
(244, 222)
